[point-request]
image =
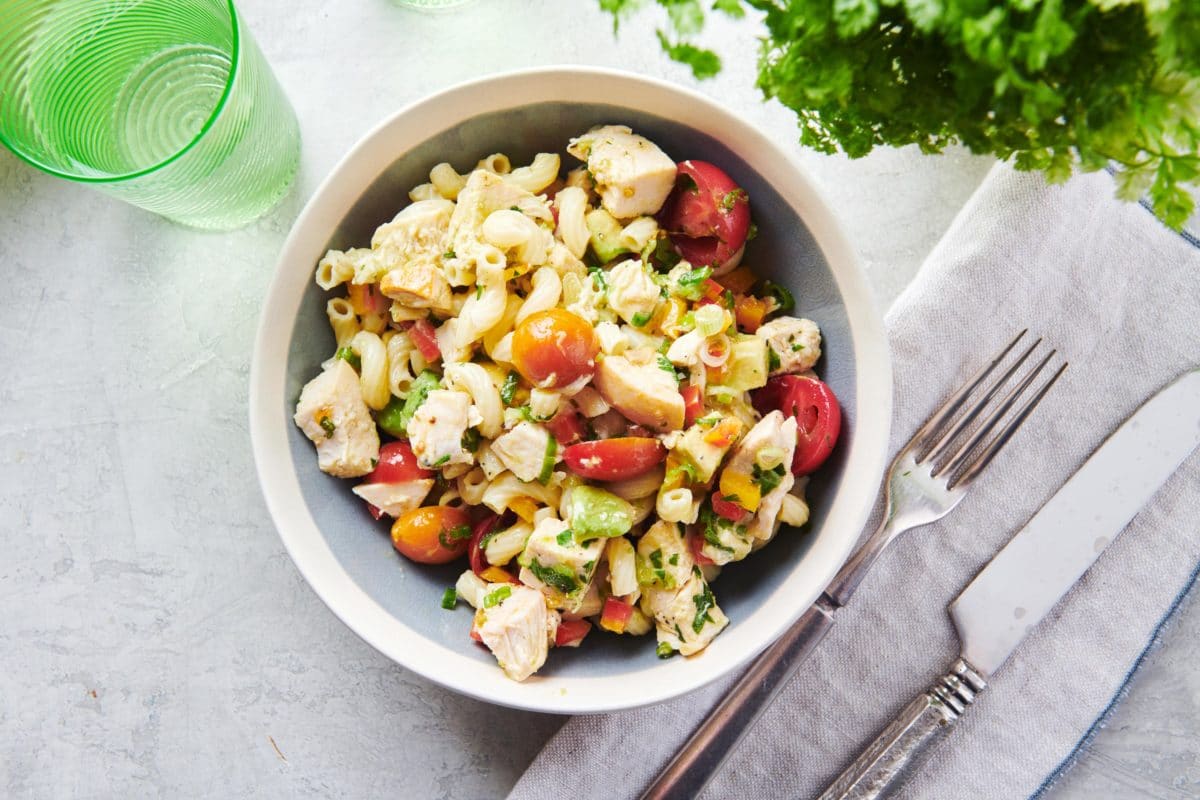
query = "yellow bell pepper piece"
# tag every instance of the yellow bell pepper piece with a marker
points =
(739, 485)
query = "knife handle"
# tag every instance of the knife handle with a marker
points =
(725, 725)
(889, 759)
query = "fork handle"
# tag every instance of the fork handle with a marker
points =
(903, 744)
(720, 732)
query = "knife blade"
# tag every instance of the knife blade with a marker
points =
(1030, 574)
(1044, 560)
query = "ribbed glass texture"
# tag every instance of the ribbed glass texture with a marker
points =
(167, 104)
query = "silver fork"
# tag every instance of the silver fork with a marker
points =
(926, 480)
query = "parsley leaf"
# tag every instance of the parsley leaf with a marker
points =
(509, 388)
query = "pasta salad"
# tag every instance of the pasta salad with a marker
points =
(569, 380)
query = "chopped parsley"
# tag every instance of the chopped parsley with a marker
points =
(690, 285)
(656, 558)
(449, 254)
(449, 598)
(704, 603)
(753, 233)
(711, 534)
(528, 415)
(510, 387)
(731, 199)
(470, 440)
(640, 319)
(782, 297)
(557, 577)
(478, 291)
(673, 560)
(665, 364)
(683, 469)
(773, 362)
(768, 479)
(664, 650)
(514, 208)
(328, 426)
(444, 459)
(565, 538)
(797, 347)
(497, 597)
(350, 357)
(450, 539)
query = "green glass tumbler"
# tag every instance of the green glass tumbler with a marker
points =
(166, 104)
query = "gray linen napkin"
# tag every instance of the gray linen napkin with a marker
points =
(1119, 295)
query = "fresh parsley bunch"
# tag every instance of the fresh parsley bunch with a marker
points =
(1054, 85)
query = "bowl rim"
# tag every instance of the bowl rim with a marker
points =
(269, 423)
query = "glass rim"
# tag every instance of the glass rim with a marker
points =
(235, 52)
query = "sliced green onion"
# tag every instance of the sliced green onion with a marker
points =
(497, 597)
(350, 357)
(548, 460)
(449, 598)
(710, 320)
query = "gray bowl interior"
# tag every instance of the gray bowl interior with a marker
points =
(783, 251)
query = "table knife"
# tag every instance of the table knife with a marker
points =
(1024, 581)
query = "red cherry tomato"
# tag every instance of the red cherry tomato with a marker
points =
(614, 459)
(571, 632)
(707, 215)
(693, 404)
(432, 535)
(424, 337)
(397, 464)
(567, 427)
(696, 543)
(475, 553)
(727, 508)
(818, 418)
(554, 348)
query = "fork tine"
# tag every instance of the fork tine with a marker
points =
(956, 400)
(952, 464)
(997, 443)
(960, 425)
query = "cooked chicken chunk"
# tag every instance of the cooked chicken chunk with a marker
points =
(559, 566)
(703, 455)
(418, 283)
(437, 429)
(633, 176)
(332, 413)
(664, 557)
(689, 618)
(418, 230)
(523, 450)
(645, 393)
(395, 499)
(779, 433)
(632, 293)
(724, 541)
(518, 629)
(796, 341)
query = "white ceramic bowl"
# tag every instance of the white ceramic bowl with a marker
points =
(347, 557)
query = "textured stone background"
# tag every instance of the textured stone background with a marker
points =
(155, 640)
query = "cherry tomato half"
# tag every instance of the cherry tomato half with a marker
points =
(614, 459)
(397, 464)
(818, 417)
(485, 526)
(432, 535)
(571, 632)
(707, 215)
(568, 427)
(554, 348)
(693, 404)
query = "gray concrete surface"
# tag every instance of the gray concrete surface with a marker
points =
(155, 640)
